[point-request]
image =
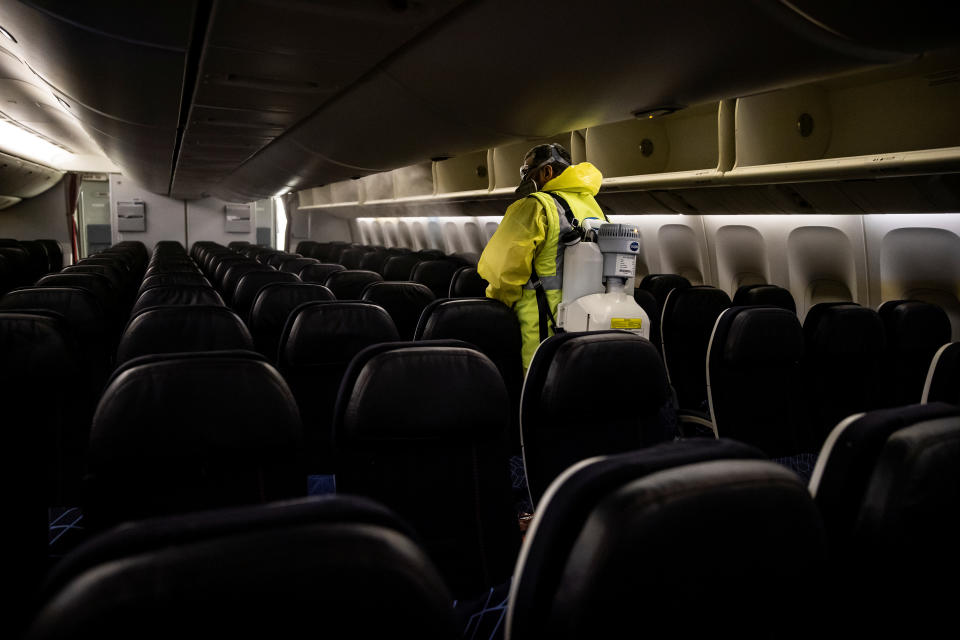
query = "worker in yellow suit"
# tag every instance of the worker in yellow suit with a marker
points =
(526, 252)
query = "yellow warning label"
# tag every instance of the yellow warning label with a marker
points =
(625, 323)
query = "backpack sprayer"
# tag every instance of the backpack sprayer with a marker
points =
(596, 270)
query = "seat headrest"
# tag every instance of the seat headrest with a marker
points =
(399, 267)
(435, 274)
(661, 284)
(226, 579)
(844, 329)
(276, 300)
(419, 391)
(404, 301)
(849, 456)
(757, 336)
(294, 265)
(568, 502)
(912, 325)
(765, 294)
(80, 308)
(178, 406)
(693, 307)
(96, 283)
(349, 284)
(250, 284)
(35, 344)
(319, 332)
(180, 328)
(477, 320)
(172, 295)
(763, 530)
(467, 283)
(319, 272)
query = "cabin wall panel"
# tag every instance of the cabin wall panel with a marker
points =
(164, 216)
(206, 221)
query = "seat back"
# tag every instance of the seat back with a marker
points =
(562, 423)
(182, 328)
(661, 284)
(188, 432)
(181, 294)
(943, 377)
(492, 328)
(435, 275)
(718, 533)
(263, 572)
(764, 294)
(915, 331)
(568, 504)
(316, 346)
(54, 255)
(848, 458)
(753, 377)
(374, 261)
(319, 272)
(399, 267)
(349, 285)
(169, 279)
(235, 273)
(250, 285)
(351, 258)
(686, 324)
(404, 301)
(467, 283)
(420, 426)
(294, 265)
(272, 308)
(843, 347)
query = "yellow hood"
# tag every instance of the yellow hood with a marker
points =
(578, 178)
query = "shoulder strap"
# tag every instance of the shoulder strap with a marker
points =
(543, 308)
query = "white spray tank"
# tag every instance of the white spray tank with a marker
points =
(595, 275)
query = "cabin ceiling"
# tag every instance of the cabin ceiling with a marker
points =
(245, 99)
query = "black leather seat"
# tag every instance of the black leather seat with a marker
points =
(17, 263)
(85, 317)
(111, 273)
(399, 267)
(45, 441)
(304, 247)
(404, 301)
(915, 331)
(435, 275)
(374, 260)
(54, 254)
(280, 258)
(467, 283)
(250, 285)
(37, 261)
(96, 284)
(318, 343)
(849, 457)
(562, 515)
(170, 279)
(729, 547)
(887, 485)
(561, 422)
(295, 265)
(237, 244)
(223, 264)
(351, 258)
(182, 328)
(689, 315)
(264, 571)
(943, 377)
(319, 272)
(181, 294)
(272, 307)
(764, 294)
(661, 284)
(187, 432)
(490, 326)
(753, 378)
(444, 469)
(233, 275)
(843, 347)
(349, 285)
(649, 304)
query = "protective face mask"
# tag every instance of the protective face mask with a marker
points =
(527, 186)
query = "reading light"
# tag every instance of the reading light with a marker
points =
(650, 114)
(8, 34)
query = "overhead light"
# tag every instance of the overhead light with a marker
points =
(62, 102)
(17, 141)
(649, 114)
(8, 34)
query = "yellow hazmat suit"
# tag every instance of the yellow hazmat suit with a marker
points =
(529, 235)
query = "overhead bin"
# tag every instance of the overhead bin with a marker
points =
(414, 181)
(465, 173)
(507, 159)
